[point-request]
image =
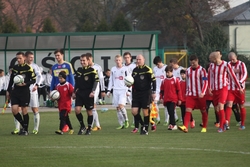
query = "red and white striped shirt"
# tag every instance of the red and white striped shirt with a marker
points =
(218, 76)
(196, 80)
(241, 75)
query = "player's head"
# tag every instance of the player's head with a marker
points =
(59, 54)
(107, 72)
(232, 57)
(140, 60)
(157, 61)
(84, 61)
(219, 51)
(183, 74)
(62, 76)
(118, 60)
(213, 57)
(127, 58)
(169, 71)
(90, 58)
(194, 61)
(20, 58)
(29, 57)
(1, 72)
(174, 63)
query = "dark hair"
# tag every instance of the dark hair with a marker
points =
(173, 60)
(84, 55)
(193, 57)
(20, 53)
(62, 74)
(157, 60)
(169, 68)
(217, 50)
(1, 70)
(28, 53)
(89, 55)
(183, 71)
(127, 53)
(107, 70)
(59, 50)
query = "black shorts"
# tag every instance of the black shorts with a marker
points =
(82, 98)
(20, 97)
(141, 99)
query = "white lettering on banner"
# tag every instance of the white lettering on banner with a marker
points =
(46, 59)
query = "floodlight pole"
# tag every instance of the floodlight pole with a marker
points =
(135, 21)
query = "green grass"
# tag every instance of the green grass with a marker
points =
(111, 147)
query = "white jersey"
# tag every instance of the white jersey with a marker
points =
(130, 67)
(2, 83)
(160, 75)
(177, 72)
(47, 79)
(99, 71)
(116, 80)
(38, 73)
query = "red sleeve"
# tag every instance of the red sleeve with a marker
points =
(71, 89)
(178, 89)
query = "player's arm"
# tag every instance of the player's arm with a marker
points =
(39, 77)
(204, 81)
(78, 74)
(32, 76)
(178, 91)
(111, 82)
(71, 75)
(244, 72)
(52, 84)
(153, 80)
(162, 90)
(101, 78)
(210, 79)
(96, 79)
(233, 76)
(11, 81)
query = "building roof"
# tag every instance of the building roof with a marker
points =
(238, 13)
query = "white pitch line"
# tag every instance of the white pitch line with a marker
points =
(123, 147)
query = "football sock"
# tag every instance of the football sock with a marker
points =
(120, 117)
(136, 123)
(26, 121)
(90, 120)
(17, 124)
(175, 114)
(187, 119)
(138, 118)
(146, 122)
(19, 118)
(228, 113)
(80, 119)
(235, 109)
(95, 118)
(217, 116)
(36, 120)
(204, 119)
(222, 118)
(124, 113)
(166, 114)
(68, 122)
(243, 115)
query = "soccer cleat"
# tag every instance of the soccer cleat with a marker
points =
(35, 131)
(238, 123)
(88, 132)
(183, 129)
(81, 130)
(120, 127)
(23, 133)
(132, 126)
(153, 128)
(15, 132)
(144, 131)
(226, 126)
(135, 130)
(165, 124)
(96, 128)
(126, 124)
(204, 130)
(172, 127)
(157, 122)
(59, 132)
(192, 124)
(242, 127)
(71, 131)
(220, 130)
(217, 125)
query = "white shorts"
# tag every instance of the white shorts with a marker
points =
(119, 97)
(34, 102)
(97, 91)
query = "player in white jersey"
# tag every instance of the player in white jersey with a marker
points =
(116, 82)
(160, 75)
(99, 71)
(34, 102)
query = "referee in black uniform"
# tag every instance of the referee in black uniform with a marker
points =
(144, 85)
(20, 93)
(85, 86)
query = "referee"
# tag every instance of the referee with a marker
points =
(20, 93)
(144, 80)
(86, 83)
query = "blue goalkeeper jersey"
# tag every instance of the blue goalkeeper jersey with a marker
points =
(56, 69)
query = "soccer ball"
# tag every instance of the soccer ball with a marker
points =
(18, 79)
(54, 95)
(129, 80)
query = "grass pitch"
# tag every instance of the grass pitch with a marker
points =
(111, 147)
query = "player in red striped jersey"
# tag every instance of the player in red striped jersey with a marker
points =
(196, 79)
(218, 74)
(234, 94)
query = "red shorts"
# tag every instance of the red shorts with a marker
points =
(220, 96)
(236, 97)
(194, 102)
